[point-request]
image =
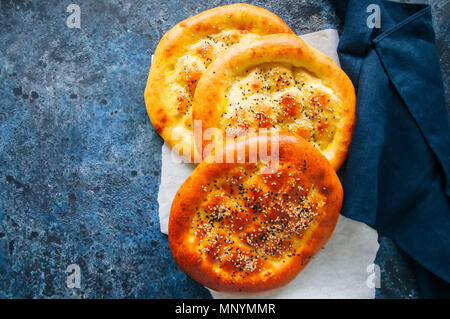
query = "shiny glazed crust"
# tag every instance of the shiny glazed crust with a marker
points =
(183, 54)
(314, 98)
(250, 227)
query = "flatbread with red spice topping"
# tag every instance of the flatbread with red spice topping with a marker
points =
(183, 55)
(253, 226)
(278, 83)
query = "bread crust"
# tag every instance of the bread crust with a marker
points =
(299, 165)
(210, 100)
(167, 97)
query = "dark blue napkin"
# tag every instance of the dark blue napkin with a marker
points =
(397, 176)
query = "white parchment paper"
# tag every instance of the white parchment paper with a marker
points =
(340, 270)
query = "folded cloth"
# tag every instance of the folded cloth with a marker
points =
(397, 176)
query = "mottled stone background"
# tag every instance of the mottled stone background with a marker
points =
(80, 161)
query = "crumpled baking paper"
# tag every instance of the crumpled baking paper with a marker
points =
(342, 269)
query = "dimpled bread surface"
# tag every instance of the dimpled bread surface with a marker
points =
(248, 226)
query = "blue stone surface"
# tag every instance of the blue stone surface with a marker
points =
(80, 162)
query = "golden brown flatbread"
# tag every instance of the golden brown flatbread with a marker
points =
(253, 226)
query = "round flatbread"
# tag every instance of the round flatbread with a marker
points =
(249, 226)
(183, 55)
(277, 82)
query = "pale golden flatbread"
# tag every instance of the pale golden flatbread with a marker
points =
(183, 55)
(278, 82)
